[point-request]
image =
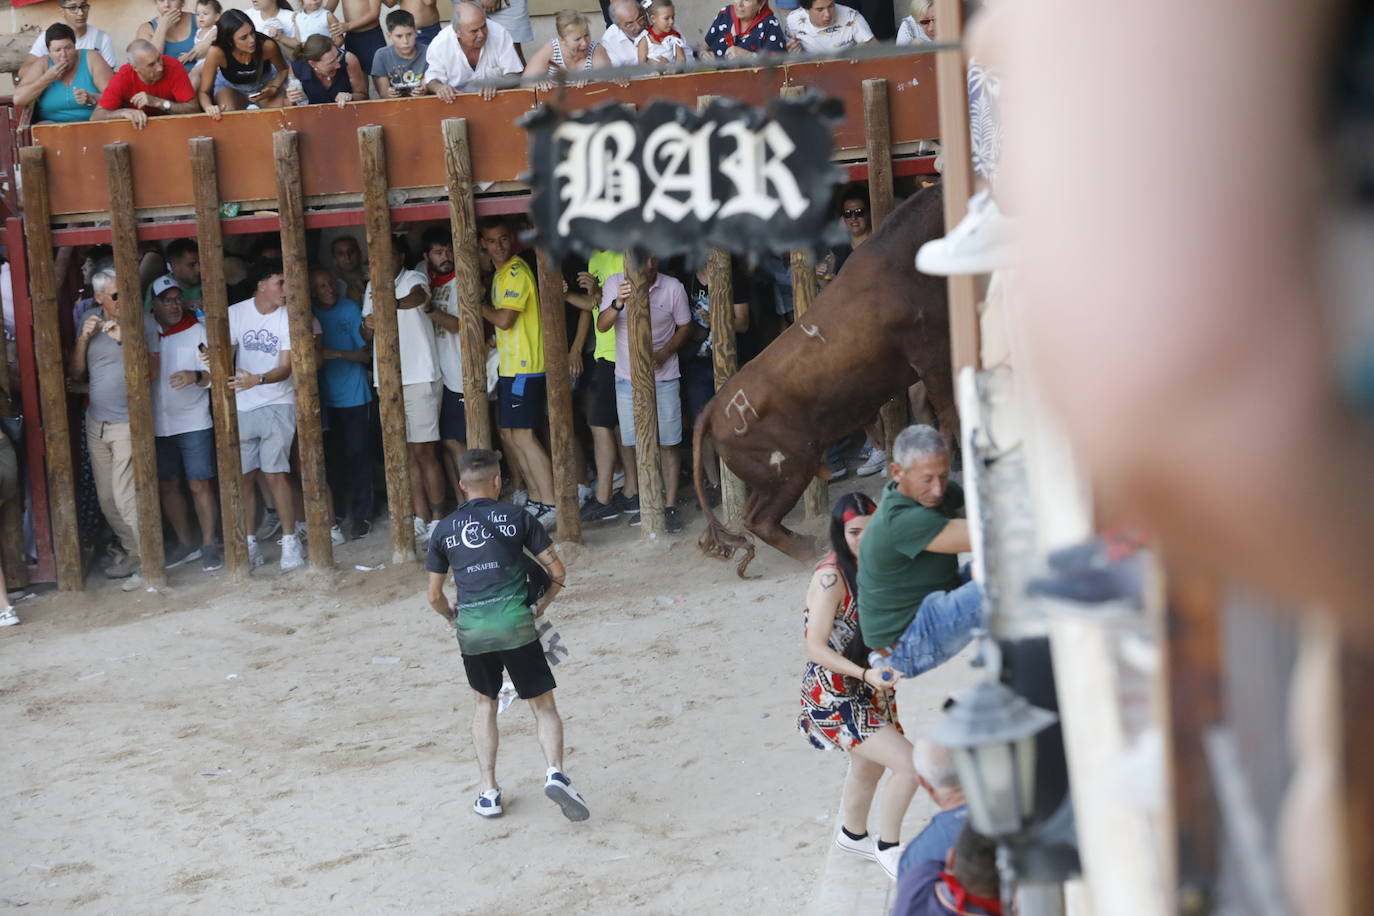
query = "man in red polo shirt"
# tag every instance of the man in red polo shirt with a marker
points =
(149, 84)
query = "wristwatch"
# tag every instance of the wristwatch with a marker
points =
(262, 380)
(166, 105)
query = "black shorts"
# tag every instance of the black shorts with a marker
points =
(523, 409)
(601, 396)
(453, 418)
(527, 666)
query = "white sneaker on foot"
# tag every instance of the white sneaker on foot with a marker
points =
(488, 803)
(865, 847)
(336, 536)
(559, 788)
(875, 462)
(8, 618)
(292, 554)
(888, 859)
(131, 584)
(980, 244)
(255, 557)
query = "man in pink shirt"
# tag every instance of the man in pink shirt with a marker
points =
(670, 320)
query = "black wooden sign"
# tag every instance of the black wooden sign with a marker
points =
(669, 180)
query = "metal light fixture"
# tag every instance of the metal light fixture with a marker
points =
(990, 733)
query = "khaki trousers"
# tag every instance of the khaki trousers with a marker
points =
(112, 465)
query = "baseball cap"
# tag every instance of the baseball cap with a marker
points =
(164, 283)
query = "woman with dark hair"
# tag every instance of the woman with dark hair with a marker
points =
(70, 83)
(845, 704)
(242, 68)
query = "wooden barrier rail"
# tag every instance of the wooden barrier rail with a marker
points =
(413, 129)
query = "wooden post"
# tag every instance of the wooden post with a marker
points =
(387, 342)
(817, 497)
(319, 514)
(1355, 684)
(951, 91)
(52, 378)
(119, 177)
(724, 351)
(471, 295)
(204, 179)
(878, 134)
(562, 442)
(641, 346)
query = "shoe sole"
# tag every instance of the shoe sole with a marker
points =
(486, 812)
(862, 854)
(9, 621)
(573, 809)
(863, 472)
(189, 558)
(217, 566)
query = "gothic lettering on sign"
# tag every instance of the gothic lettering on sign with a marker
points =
(671, 181)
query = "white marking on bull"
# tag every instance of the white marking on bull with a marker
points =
(812, 331)
(740, 403)
(776, 459)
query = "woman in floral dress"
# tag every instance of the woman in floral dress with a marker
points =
(843, 703)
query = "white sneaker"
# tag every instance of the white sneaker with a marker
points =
(292, 556)
(559, 788)
(488, 804)
(980, 244)
(8, 618)
(545, 514)
(865, 847)
(131, 584)
(255, 557)
(888, 859)
(875, 462)
(336, 536)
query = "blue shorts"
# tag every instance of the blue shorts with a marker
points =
(186, 456)
(669, 411)
(365, 45)
(453, 417)
(269, 72)
(429, 32)
(520, 402)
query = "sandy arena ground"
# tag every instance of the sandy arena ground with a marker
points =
(301, 744)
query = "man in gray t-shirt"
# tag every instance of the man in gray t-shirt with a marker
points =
(99, 353)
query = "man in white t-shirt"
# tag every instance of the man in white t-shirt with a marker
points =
(619, 39)
(88, 37)
(818, 26)
(420, 388)
(185, 435)
(260, 333)
(437, 247)
(473, 49)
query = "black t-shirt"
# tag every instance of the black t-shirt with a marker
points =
(483, 542)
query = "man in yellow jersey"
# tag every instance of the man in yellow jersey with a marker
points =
(601, 410)
(521, 396)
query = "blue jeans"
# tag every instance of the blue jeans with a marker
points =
(943, 625)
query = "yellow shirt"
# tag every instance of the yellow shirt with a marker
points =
(521, 347)
(603, 265)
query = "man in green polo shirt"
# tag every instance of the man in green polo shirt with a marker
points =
(914, 605)
(183, 266)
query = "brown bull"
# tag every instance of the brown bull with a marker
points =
(876, 329)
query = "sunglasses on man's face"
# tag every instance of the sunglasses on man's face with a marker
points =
(852, 214)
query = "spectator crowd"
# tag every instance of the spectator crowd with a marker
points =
(431, 367)
(212, 60)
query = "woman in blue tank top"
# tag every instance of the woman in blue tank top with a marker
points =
(68, 88)
(173, 32)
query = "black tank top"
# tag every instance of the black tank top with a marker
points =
(238, 73)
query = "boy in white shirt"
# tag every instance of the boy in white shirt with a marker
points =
(818, 26)
(421, 388)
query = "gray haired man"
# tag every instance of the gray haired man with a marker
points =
(916, 606)
(99, 353)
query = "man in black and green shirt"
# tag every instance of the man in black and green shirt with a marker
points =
(484, 543)
(914, 605)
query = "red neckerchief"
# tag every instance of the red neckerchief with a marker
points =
(438, 279)
(187, 321)
(736, 32)
(962, 897)
(658, 39)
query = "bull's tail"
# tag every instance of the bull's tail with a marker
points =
(717, 540)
